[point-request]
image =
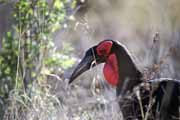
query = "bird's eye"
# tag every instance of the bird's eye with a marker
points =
(103, 52)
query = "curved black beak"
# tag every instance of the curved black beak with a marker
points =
(83, 66)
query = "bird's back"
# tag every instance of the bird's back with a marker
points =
(153, 101)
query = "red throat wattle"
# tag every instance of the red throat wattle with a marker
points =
(111, 71)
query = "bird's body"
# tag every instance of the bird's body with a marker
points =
(158, 101)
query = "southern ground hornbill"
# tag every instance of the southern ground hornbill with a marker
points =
(139, 99)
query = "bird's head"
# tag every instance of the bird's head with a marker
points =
(118, 63)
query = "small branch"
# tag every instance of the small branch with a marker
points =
(140, 103)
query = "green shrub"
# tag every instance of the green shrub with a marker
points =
(28, 47)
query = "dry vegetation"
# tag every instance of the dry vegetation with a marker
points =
(90, 98)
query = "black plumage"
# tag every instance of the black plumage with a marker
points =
(140, 99)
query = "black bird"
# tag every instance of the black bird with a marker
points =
(157, 99)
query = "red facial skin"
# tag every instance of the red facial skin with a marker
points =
(111, 71)
(104, 48)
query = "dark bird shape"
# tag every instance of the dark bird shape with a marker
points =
(156, 100)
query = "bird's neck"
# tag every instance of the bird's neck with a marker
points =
(129, 75)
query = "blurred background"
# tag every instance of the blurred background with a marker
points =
(41, 41)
